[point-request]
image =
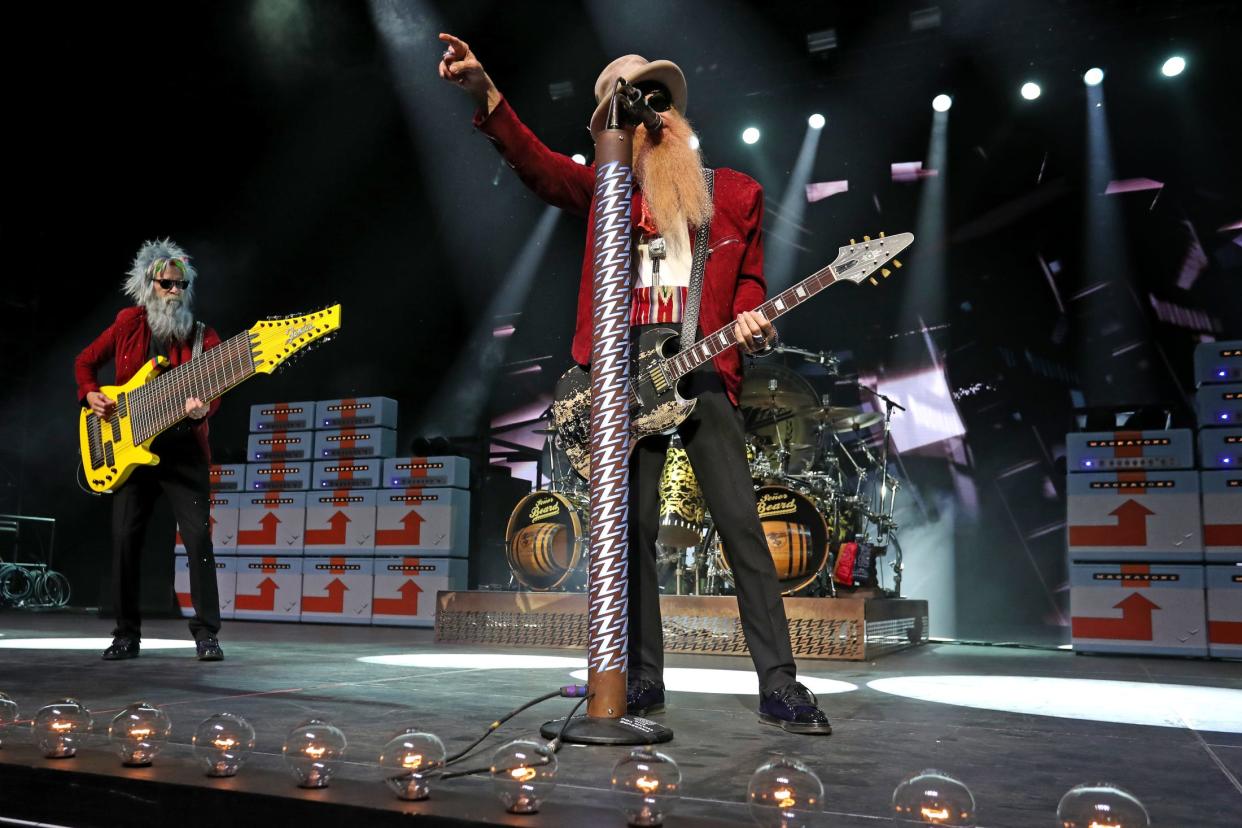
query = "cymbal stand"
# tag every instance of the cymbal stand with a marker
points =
(782, 452)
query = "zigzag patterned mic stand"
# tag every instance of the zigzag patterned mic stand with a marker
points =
(605, 722)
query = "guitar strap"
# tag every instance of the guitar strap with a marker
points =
(690, 318)
(197, 351)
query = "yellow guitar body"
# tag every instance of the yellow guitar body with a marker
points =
(154, 398)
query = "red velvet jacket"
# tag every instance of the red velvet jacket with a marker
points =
(733, 281)
(128, 340)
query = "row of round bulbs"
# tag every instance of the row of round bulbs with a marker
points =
(646, 784)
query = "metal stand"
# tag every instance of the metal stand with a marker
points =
(605, 722)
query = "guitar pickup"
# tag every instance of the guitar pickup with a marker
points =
(659, 380)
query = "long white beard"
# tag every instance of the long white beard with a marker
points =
(170, 320)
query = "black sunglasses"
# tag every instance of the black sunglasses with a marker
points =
(656, 96)
(169, 284)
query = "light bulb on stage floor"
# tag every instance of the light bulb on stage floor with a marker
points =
(646, 785)
(60, 727)
(523, 775)
(409, 761)
(1101, 806)
(222, 742)
(784, 793)
(8, 715)
(932, 797)
(313, 751)
(138, 733)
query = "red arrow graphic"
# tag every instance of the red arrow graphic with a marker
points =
(333, 536)
(1133, 625)
(260, 537)
(409, 535)
(1129, 530)
(184, 601)
(333, 602)
(264, 601)
(407, 604)
(1225, 632)
(1222, 534)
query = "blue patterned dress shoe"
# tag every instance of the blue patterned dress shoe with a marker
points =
(209, 649)
(122, 647)
(795, 709)
(644, 697)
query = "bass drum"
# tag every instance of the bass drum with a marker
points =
(797, 537)
(546, 540)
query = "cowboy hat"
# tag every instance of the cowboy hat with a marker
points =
(636, 69)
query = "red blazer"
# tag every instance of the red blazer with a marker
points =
(128, 340)
(733, 281)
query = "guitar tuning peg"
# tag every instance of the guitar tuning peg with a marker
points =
(896, 263)
(873, 281)
(885, 272)
(866, 238)
(881, 234)
(853, 242)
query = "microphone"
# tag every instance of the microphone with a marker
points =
(636, 106)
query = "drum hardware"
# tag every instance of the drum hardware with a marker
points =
(830, 363)
(682, 509)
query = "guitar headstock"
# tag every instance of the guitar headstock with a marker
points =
(274, 341)
(858, 261)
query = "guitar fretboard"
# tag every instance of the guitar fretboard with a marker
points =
(711, 346)
(160, 403)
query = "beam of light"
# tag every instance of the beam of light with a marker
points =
(942, 103)
(750, 135)
(1122, 702)
(816, 121)
(781, 256)
(1093, 76)
(456, 407)
(1173, 67)
(88, 644)
(732, 682)
(1030, 90)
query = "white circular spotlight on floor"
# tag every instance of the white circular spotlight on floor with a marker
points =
(732, 682)
(1173, 67)
(1120, 702)
(941, 103)
(1030, 90)
(1093, 76)
(816, 121)
(100, 644)
(475, 661)
(750, 135)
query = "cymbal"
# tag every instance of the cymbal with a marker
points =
(861, 420)
(831, 413)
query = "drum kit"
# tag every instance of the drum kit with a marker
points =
(821, 483)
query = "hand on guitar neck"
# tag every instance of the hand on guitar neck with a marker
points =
(102, 405)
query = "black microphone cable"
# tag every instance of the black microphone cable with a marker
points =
(569, 691)
(553, 746)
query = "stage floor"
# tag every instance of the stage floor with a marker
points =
(887, 716)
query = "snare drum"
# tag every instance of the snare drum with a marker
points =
(546, 540)
(797, 537)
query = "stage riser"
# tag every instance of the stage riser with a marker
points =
(846, 629)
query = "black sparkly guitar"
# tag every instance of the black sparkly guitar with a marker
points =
(656, 407)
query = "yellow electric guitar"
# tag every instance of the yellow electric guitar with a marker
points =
(154, 399)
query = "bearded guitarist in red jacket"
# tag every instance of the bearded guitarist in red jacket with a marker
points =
(672, 201)
(160, 323)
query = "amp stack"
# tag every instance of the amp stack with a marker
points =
(1218, 375)
(325, 524)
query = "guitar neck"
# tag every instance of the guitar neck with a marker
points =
(159, 404)
(709, 347)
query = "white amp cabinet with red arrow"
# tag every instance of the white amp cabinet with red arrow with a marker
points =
(340, 522)
(424, 522)
(337, 590)
(1134, 515)
(268, 589)
(1141, 608)
(271, 523)
(226, 585)
(406, 587)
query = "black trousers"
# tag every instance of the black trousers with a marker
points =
(715, 443)
(182, 475)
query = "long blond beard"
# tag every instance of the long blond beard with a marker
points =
(670, 173)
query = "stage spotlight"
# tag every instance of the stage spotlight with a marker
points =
(816, 121)
(8, 714)
(784, 793)
(1174, 66)
(138, 734)
(932, 797)
(60, 727)
(222, 742)
(523, 775)
(646, 786)
(1084, 806)
(409, 761)
(750, 135)
(1093, 76)
(1030, 90)
(313, 751)
(941, 103)
(578, 158)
